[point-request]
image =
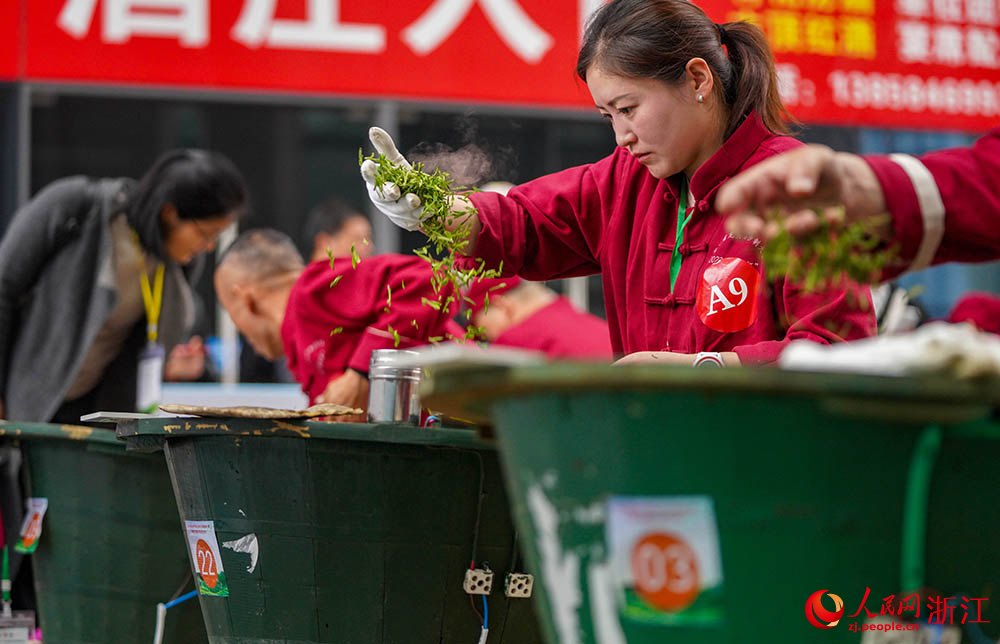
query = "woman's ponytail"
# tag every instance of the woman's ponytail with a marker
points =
(753, 84)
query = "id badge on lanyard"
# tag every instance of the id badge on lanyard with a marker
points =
(149, 380)
(149, 383)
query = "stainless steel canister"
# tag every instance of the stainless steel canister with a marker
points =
(394, 390)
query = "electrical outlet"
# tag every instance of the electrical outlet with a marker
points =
(478, 581)
(518, 584)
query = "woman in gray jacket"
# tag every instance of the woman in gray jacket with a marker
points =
(91, 279)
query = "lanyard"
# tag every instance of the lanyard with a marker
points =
(152, 297)
(682, 221)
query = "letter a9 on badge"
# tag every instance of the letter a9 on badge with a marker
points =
(666, 559)
(205, 558)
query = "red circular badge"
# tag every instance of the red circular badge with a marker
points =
(207, 567)
(665, 569)
(727, 296)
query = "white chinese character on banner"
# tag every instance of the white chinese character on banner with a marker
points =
(185, 20)
(982, 46)
(322, 29)
(516, 28)
(948, 10)
(912, 8)
(948, 49)
(981, 12)
(914, 41)
(788, 82)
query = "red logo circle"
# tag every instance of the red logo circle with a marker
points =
(814, 610)
(727, 296)
(665, 569)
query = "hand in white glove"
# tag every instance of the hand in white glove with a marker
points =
(403, 211)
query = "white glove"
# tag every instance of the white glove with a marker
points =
(405, 212)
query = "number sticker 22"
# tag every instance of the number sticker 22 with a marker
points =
(206, 564)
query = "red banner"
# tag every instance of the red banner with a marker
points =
(897, 63)
(464, 50)
(10, 39)
(903, 63)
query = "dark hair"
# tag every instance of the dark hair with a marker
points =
(262, 253)
(329, 217)
(656, 39)
(200, 184)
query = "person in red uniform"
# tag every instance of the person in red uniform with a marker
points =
(528, 315)
(979, 309)
(691, 104)
(327, 321)
(943, 205)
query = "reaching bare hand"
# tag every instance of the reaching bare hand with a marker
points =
(186, 361)
(795, 183)
(349, 389)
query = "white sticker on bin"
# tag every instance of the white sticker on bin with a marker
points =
(206, 558)
(247, 544)
(31, 529)
(666, 559)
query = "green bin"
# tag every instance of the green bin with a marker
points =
(109, 549)
(632, 486)
(363, 532)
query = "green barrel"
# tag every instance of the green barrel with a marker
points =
(363, 533)
(707, 506)
(110, 549)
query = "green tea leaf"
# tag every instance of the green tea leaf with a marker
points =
(829, 257)
(444, 248)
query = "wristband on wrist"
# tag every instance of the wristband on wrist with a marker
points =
(708, 359)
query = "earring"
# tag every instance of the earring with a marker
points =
(701, 99)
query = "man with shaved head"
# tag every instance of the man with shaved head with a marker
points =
(327, 320)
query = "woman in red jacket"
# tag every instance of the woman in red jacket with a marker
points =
(691, 104)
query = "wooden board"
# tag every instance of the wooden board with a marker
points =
(316, 411)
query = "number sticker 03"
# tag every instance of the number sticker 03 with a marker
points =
(666, 571)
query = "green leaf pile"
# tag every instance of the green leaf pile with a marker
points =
(444, 247)
(829, 256)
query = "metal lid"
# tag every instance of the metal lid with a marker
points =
(385, 363)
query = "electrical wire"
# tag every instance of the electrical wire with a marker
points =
(472, 602)
(181, 588)
(485, 632)
(479, 500)
(475, 530)
(479, 511)
(182, 598)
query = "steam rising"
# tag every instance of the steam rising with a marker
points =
(475, 162)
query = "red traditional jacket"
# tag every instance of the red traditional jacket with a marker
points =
(561, 332)
(613, 217)
(945, 205)
(356, 305)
